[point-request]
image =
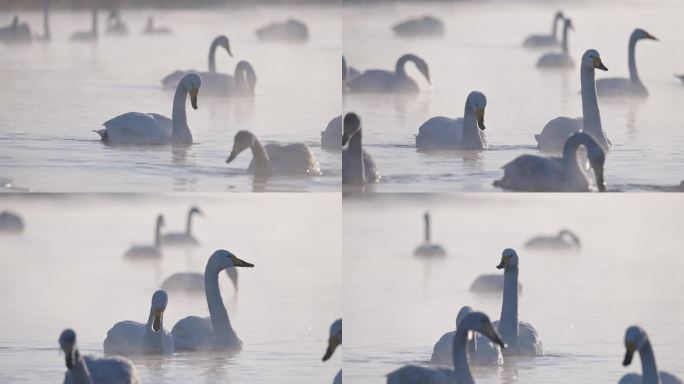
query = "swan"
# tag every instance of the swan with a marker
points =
(619, 86)
(680, 77)
(465, 133)
(419, 27)
(89, 369)
(46, 22)
(358, 166)
(154, 129)
(331, 137)
(382, 81)
(636, 340)
(290, 30)
(562, 59)
(334, 341)
(115, 25)
(183, 238)
(489, 283)
(243, 81)
(131, 338)
(213, 332)
(541, 41)
(428, 248)
(474, 321)
(92, 33)
(348, 72)
(16, 32)
(555, 132)
(193, 282)
(215, 83)
(480, 351)
(148, 251)
(274, 159)
(151, 29)
(565, 240)
(10, 223)
(541, 174)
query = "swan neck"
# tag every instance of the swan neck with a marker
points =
(217, 310)
(427, 228)
(212, 56)
(262, 162)
(157, 234)
(94, 15)
(188, 223)
(590, 108)
(460, 357)
(180, 132)
(80, 373)
(554, 27)
(471, 133)
(355, 159)
(631, 61)
(566, 29)
(648, 364)
(46, 19)
(400, 68)
(508, 326)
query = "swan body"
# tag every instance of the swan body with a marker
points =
(152, 29)
(10, 223)
(543, 41)
(467, 133)
(559, 59)
(541, 174)
(88, 369)
(382, 81)
(636, 340)
(331, 137)
(425, 26)
(90, 35)
(680, 77)
(632, 86)
(214, 332)
(148, 251)
(334, 341)
(486, 284)
(183, 238)
(131, 338)
(193, 282)
(348, 72)
(290, 30)
(16, 32)
(151, 128)
(358, 166)
(565, 240)
(428, 248)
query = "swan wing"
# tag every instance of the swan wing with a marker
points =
(331, 137)
(139, 128)
(489, 284)
(178, 238)
(619, 86)
(555, 132)
(541, 41)
(528, 340)
(630, 378)
(440, 133)
(193, 333)
(534, 174)
(555, 60)
(218, 84)
(373, 80)
(668, 378)
(442, 352)
(338, 378)
(186, 281)
(370, 168)
(112, 370)
(142, 251)
(171, 80)
(292, 159)
(424, 26)
(413, 374)
(125, 337)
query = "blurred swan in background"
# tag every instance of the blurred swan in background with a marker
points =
(555, 132)
(89, 369)
(334, 341)
(565, 240)
(290, 30)
(183, 238)
(428, 248)
(425, 26)
(152, 29)
(412, 374)
(151, 128)
(348, 71)
(382, 81)
(331, 137)
(193, 282)
(131, 338)
(92, 33)
(243, 81)
(465, 133)
(562, 59)
(543, 41)
(214, 83)
(147, 251)
(11, 223)
(358, 166)
(16, 32)
(275, 159)
(488, 284)
(636, 340)
(115, 25)
(480, 350)
(619, 86)
(213, 332)
(541, 174)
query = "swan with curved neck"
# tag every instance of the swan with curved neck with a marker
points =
(214, 332)
(541, 174)
(215, 83)
(148, 251)
(636, 340)
(92, 33)
(633, 86)
(555, 132)
(426, 26)
(428, 248)
(183, 238)
(541, 40)
(565, 240)
(472, 322)
(466, 133)
(334, 341)
(358, 166)
(244, 80)
(151, 128)
(561, 59)
(382, 81)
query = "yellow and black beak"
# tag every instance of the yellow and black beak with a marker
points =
(598, 64)
(479, 112)
(157, 320)
(493, 335)
(193, 97)
(333, 343)
(629, 355)
(649, 36)
(504, 262)
(600, 182)
(237, 262)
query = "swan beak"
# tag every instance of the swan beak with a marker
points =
(600, 183)
(333, 343)
(493, 335)
(193, 97)
(649, 36)
(241, 263)
(631, 348)
(479, 112)
(599, 64)
(503, 263)
(157, 320)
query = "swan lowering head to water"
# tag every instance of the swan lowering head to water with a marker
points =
(358, 166)
(334, 341)
(541, 40)
(382, 81)
(636, 340)
(619, 86)
(565, 240)
(465, 133)
(559, 59)
(148, 251)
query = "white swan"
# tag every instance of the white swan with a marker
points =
(16, 32)
(559, 59)
(382, 81)
(541, 174)
(115, 25)
(193, 282)
(152, 29)
(425, 26)
(565, 240)
(148, 251)
(480, 350)
(358, 166)
(488, 284)
(243, 81)
(213, 332)
(412, 374)
(151, 128)
(275, 159)
(540, 40)
(89, 369)
(619, 86)
(92, 33)
(10, 223)
(183, 238)
(290, 30)
(555, 132)
(214, 83)
(331, 137)
(428, 248)
(466, 133)
(636, 340)
(334, 341)
(132, 338)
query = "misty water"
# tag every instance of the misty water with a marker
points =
(67, 270)
(482, 50)
(396, 306)
(54, 93)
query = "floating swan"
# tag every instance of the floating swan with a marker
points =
(428, 248)
(480, 350)
(562, 59)
(382, 81)
(92, 34)
(542, 41)
(16, 32)
(213, 332)
(148, 251)
(331, 138)
(565, 240)
(619, 86)
(465, 133)
(215, 83)
(89, 369)
(151, 128)
(151, 29)
(243, 81)
(334, 341)
(132, 338)
(193, 282)
(348, 72)
(10, 223)
(488, 284)
(556, 131)
(358, 166)
(636, 340)
(275, 159)
(419, 27)
(183, 238)
(412, 374)
(541, 174)
(290, 30)
(115, 25)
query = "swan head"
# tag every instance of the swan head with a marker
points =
(568, 234)
(592, 59)
(192, 83)
(67, 341)
(639, 34)
(222, 259)
(195, 210)
(465, 310)
(477, 102)
(335, 339)
(479, 322)
(635, 338)
(352, 125)
(559, 15)
(568, 24)
(222, 41)
(160, 220)
(423, 68)
(159, 301)
(509, 259)
(242, 141)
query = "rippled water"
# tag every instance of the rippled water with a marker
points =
(628, 272)
(55, 93)
(67, 270)
(482, 51)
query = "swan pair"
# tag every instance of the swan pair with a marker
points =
(382, 81)
(559, 59)
(11, 223)
(428, 248)
(465, 133)
(290, 30)
(358, 166)
(426, 26)
(565, 240)
(543, 40)
(334, 341)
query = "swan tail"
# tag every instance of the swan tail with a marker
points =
(102, 133)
